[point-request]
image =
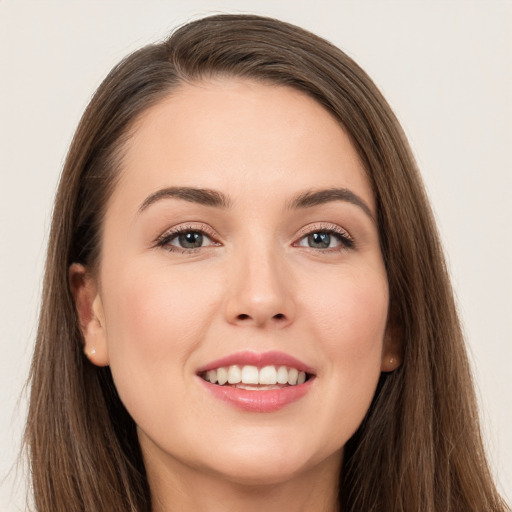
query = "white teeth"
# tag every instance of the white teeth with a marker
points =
(250, 375)
(292, 376)
(268, 375)
(282, 375)
(253, 376)
(222, 376)
(234, 375)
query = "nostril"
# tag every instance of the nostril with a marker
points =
(244, 317)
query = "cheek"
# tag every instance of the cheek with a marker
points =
(350, 322)
(155, 320)
(351, 314)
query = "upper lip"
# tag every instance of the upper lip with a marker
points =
(258, 359)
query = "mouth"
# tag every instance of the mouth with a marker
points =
(252, 378)
(257, 382)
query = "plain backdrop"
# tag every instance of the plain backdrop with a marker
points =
(446, 69)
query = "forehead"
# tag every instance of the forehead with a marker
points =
(237, 135)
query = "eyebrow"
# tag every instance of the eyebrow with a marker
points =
(202, 196)
(317, 197)
(216, 199)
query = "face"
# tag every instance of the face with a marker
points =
(241, 236)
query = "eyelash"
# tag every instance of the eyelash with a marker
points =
(343, 237)
(345, 240)
(165, 239)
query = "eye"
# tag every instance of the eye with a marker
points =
(320, 240)
(185, 239)
(326, 239)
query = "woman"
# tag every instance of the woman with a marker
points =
(245, 294)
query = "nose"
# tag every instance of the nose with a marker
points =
(260, 291)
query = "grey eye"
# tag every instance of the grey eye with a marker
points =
(190, 240)
(186, 239)
(323, 240)
(319, 240)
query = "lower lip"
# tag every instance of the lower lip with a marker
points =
(269, 400)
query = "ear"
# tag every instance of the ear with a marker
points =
(89, 308)
(392, 349)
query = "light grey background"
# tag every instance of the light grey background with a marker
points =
(445, 67)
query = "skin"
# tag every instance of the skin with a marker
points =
(157, 313)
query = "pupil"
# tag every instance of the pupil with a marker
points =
(319, 240)
(191, 240)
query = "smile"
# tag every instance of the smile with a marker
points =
(254, 378)
(257, 382)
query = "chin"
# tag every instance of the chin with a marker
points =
(263, 474)
(260, 467)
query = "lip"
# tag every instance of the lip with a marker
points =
(266, 400)
(248, 357)
(269, 400)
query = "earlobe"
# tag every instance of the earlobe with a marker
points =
(90, 313)
(392, 349)
(390, 364)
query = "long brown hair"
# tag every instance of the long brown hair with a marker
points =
(419, 447)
